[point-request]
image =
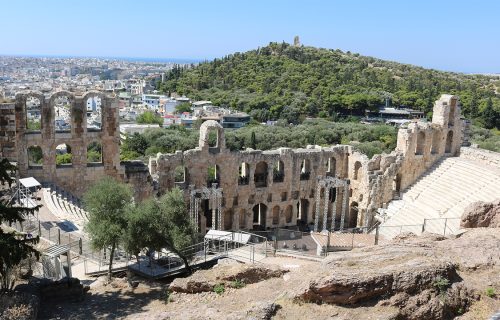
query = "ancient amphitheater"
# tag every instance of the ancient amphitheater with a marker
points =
(425, 183)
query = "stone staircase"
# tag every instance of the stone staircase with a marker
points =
(442, 192)
(64, 205)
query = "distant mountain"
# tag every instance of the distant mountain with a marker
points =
(286, 81)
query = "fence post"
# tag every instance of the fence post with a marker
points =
(352, 241)
(58, 236)
(376, 235)
(423, 226)
(445, 222)
(39, 229)
(266, 250)
(80, 246)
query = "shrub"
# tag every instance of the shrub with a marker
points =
(237, 284)
(441, 284)
(490, 292)
(219, 288)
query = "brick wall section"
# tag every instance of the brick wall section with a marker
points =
(8, 131)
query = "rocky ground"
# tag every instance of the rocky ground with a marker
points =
(425, 277)
(412, 277)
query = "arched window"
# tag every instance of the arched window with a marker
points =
(64, 157)
(213, 138)
(332, 194)
(331, 167)
(33, 114)
(357, 166)
(276, 215)
(305, 169)
(278, 171)
(435, 142)
(259, 215)
(180, 174)
(260, 176)
(94, 152)
(449, 142)
(244, 174)
(35, 157)
(353, 215)
(213, 175)
(303, 210)
(94, 113)
(419, 150)
(62, 112)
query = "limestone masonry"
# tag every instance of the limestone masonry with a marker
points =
(320, 187)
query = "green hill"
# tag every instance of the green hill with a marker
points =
(282, 81)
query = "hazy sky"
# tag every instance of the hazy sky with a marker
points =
(454, 35)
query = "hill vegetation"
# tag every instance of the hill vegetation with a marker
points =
(282, 81)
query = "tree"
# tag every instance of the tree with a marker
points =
(135, 142)
(183, 107)
(490, 117)
(157, 224)
(149, 117)
(107, 202)
(14, 247)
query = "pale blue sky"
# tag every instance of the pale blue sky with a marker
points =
(443, 34)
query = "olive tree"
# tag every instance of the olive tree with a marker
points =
(107, 202)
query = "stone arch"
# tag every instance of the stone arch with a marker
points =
(180, 174)
(278, 171)
(64, 155)
(357, 167)
(419, 149)
(35, 156)
(331, 167)
(94, 102)
(259, 215)
(276, 215)
(94, 152)
(449, 142)
(305, 169)
(228, 219)
(353, 215)
(288, 213)
(260, 175)
(205, 129)
(63, 103)
(244, 174)
(436, 139)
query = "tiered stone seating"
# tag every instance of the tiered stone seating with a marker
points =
(442, 192)
(64, 205)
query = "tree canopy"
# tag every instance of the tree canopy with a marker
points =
(149, 117)
(14, 247)
(107, 202)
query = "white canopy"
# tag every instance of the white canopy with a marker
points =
(29, 182)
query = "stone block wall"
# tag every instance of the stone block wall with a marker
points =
(8, 131)
(292, 201)
(79, 175)
(487, 157)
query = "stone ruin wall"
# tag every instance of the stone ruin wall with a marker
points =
(486, 157)
(79, 175)
(373, 182)
(419, 147)
(8, 131)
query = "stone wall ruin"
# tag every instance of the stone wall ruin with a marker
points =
(277, 188)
